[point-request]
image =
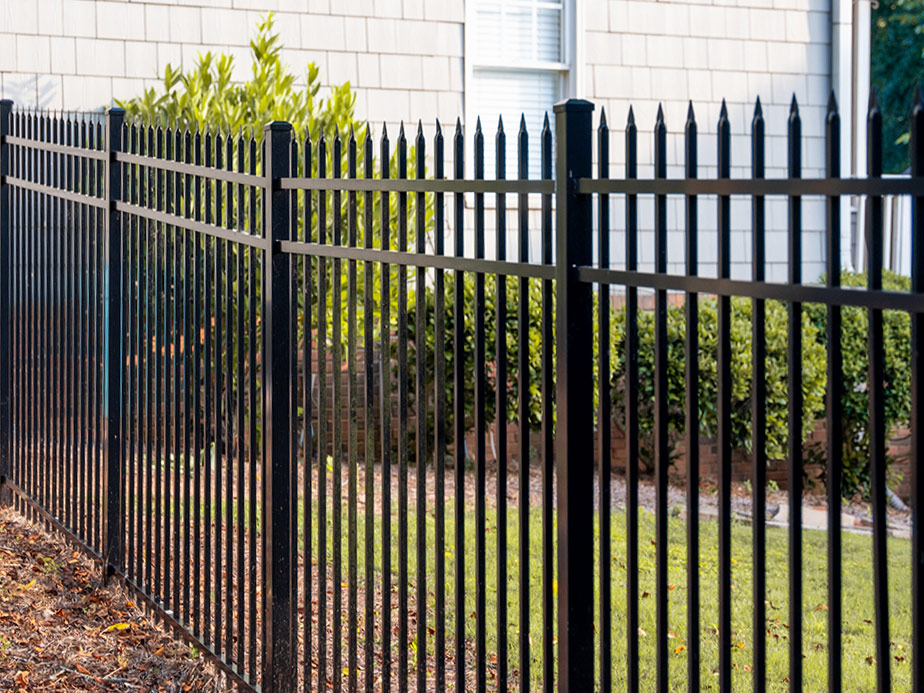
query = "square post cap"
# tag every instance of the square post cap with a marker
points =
(573, 106)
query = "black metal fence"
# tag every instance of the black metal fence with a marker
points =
(215, 346)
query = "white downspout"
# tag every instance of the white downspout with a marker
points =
(843, 83)
(861, 59)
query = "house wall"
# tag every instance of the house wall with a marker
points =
(648, 52)
(405, 59)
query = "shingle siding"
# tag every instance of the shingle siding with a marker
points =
(405, 60)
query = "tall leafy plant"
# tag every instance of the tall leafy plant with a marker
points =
(206, 98)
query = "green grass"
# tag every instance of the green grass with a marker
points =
(857, 631)
(857, 634)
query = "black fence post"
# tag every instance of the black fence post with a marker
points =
(278, 659)
(113, 360)
(574, 451)
(917, 406)
(6, 271)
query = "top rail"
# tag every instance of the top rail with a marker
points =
(41, 145)
(754, 186)
(424, 185)
(190, 169)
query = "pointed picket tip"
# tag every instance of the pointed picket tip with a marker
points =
(832, 102)
(384, 130)
(794, 105)
(723, 112)
(545, 121)
(659, 118)
(758, 109)
(458, 123)
(478, 126)
(419, 127)
(691, 116)
(522, 122)
(439, 130)
(603, 117)
(500, 125)
(401, 131)
(631, 119)
(368, 131)
(352, 134)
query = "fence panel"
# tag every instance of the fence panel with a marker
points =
(318, 407)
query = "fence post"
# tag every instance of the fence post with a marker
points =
(278, 652)
(6, 271)
(114, 361)
(574, 451)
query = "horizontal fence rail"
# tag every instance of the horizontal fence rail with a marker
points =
(347, 418)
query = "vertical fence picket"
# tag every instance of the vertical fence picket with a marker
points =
(794, 383)
(834, 402)
(420, 406)
(523, 412)
(322, 422)
(758, 408)
(480, 430)
(661, 432)
(6, 275)
(385, 412)
(500, 409)
(876, 383)
(336, 297)
(723, 409)
(458, 408)
(352, 440)
(632, 422)
(369, 419)
(439, 415)
(603, 412)
(691, 422)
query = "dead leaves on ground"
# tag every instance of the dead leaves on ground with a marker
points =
(62, 630)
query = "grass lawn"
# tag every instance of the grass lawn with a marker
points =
(857, 634)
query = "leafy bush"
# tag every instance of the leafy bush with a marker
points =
(468, 354)
(206, 98)
(813, 374)
(896, 329)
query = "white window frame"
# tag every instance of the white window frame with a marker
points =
(570, 71)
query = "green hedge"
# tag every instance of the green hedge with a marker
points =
(896, 328)
(813, 374)
(814, 365)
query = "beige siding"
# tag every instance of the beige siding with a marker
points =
(404, 59)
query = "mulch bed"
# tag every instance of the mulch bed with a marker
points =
(61, 629)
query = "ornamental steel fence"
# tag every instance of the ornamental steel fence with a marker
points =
(266, 379)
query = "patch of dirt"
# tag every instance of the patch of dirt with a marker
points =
(61, 629)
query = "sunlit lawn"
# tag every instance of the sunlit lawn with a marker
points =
(857, 632)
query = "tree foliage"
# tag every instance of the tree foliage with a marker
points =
(897, 64)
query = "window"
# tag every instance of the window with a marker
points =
(518, 61)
